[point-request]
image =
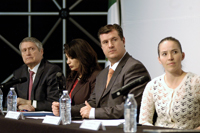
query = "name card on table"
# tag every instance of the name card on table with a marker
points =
(92, 125)
(55, 120)
(15, 115)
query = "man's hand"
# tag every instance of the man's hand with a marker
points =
(55, 108)
(85, 111)
(24, 104)
(21, 101)
(26, 107)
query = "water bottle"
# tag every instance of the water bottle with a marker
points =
(65, 108)
(1, 101)
(130, 114)
(12, 100)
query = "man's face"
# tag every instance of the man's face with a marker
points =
(31, 54)
(113, 46)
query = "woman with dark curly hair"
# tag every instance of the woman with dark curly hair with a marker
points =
(82, 70)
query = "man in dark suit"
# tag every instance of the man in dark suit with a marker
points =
(40, 90)
(126, 69)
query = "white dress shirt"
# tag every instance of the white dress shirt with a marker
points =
(35, 69)
(114, 66)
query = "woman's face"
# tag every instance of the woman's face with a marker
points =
(170, 56)
(74, 64)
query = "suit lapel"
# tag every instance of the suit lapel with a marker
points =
(76, 89)
(26, 84)
(70, 85)
(37, 78)
(102, 85)
(116, 73)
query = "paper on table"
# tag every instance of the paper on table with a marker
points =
(110, 122)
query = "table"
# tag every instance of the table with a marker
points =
(36, 126)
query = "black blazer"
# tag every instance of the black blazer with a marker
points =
(101, 99)
(44, 89)
(83, 90)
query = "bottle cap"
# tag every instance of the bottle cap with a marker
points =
(12, 88)
(65, 91)
(130, 95)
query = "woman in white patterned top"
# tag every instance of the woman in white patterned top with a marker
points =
(175, 95)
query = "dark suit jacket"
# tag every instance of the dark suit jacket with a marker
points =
(105, 106)
(82, 90)
(44, 88)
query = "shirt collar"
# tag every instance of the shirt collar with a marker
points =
(34, 69)
(116, 64)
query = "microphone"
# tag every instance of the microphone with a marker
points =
(58, 75)
(126, 88)
(59, 83)
(13, 82)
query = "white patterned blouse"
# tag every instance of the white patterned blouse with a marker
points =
(176, 108)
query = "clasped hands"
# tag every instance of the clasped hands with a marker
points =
(85, 111)
(24, 104)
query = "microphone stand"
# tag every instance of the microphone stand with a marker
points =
(59, 89)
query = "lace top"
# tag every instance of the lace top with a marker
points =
(176, 108)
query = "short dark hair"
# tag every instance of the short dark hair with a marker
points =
(169, 39)
(108, 28)
(82, 51)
